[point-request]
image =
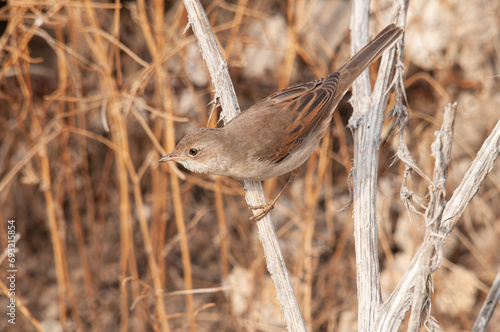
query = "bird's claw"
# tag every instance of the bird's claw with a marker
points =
(265, 208)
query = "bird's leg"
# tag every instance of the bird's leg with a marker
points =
(269, 206)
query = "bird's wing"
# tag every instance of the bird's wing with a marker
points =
(303, 107)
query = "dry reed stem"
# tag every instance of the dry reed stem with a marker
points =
(315, 175)
(288, 63)
(119, 137)
(159, 181)
(37, 129)
(179, 216)
(222, 223)
(164, 89)
(78, 229)
(153, 46)
(221, 219)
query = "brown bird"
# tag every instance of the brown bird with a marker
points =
(276, 135)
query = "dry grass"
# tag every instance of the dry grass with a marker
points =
(92, 94)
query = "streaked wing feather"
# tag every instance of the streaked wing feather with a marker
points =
(310, 103)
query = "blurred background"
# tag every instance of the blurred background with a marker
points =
(92, 94)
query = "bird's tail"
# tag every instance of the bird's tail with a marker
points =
(371, 51)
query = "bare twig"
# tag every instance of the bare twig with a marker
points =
(488, 306)
(224, 91)
(396, 306)
(431, 258)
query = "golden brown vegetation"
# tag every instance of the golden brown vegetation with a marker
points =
(93, 93)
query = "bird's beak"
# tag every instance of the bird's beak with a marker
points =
(169, 157)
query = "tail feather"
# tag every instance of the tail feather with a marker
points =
(341, 80)
(371, 51)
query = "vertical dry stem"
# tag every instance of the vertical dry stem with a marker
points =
(367, 126)
(430, 259)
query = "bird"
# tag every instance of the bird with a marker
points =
(279, 133)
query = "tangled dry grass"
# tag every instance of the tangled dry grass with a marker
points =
(93, 93)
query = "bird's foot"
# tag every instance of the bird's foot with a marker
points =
(264, 209)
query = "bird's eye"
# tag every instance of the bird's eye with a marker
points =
(193, 152)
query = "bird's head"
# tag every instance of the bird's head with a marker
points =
(200, 151)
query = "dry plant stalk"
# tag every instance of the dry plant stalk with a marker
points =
(393, 310)
(366, 124)
(254, 192)
(430, 260)
(488, 307)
